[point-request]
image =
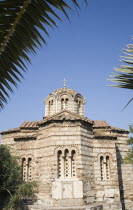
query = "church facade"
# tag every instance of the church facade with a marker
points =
(76, 161)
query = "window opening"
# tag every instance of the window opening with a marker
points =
(29, 178)
(59, 164)
(73, 170)
(24, 169)
(105, 167)
(62, 104)
(66, 164)
(101, 166)
(49, 107)
(66, 103)
(78, 106)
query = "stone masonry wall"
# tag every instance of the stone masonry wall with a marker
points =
(86, 164)
(52, 138)
(107, 190)
(125, 173)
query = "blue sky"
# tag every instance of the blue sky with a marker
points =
(84, 51)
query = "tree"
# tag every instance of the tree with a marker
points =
(13, 191)
(20, 24)
(129, 157)
(123, 76)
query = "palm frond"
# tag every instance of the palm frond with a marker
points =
(123, 76)
(20, 24)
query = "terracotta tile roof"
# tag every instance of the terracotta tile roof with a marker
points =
(118, 129)
(65, 115)
(100, 123)
(29, 124)
(10, 131)
(26, 124)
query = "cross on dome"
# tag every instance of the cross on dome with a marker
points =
(64, 82)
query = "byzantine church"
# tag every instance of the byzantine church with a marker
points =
(75, 161)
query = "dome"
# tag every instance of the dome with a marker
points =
(64, 99)
(65, 90)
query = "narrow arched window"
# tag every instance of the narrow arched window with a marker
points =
(24, 171)
(66, 164)
(62, 104)
(78, 102)
(49, 107)
(59, 163)
(107, 168)
(66, 103)
(73, 165)
(102, 167)
(51, 104)
(29, 170)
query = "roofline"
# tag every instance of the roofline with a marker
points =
(14, 130)
(50, 118)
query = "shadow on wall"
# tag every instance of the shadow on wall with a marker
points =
(120, 179)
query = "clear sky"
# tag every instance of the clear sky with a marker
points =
(84, 52)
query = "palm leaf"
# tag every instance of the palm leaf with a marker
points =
(20, 24)
(123, 76)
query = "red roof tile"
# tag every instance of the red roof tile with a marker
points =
(100, 123)
(29, 124)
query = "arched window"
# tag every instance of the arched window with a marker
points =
(101, 166)
(73, 170)
(29, 169)
(24, 171)
(66, 164)
(105, 167)
(78, 103)
(59, 163)
(66, 103)
(62, 104)
(50, 107)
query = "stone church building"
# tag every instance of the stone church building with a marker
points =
(76, 161)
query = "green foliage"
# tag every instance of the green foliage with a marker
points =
(20, 24)
(123, 76)
(24, 191)
(13, 191)
(129, 157)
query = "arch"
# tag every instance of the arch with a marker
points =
(73, 164)
(29, 169)
(79, 101)
(49, 102)
(104, 160)
(59, 163)
(64, 95)
(27, 163)
(79, 97)
(24, 171)
(66, 162)
(64, 99)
